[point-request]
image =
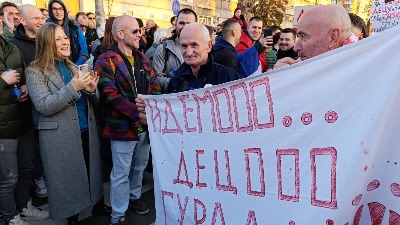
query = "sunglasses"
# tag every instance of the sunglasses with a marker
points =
(83, 26)
(135, 31)
(91, 18)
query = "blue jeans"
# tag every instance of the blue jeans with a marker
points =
(16, 164)
(129, 161)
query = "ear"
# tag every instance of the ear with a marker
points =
(120, 35)
(361, 36)
(23, 21)
(334, 38)
(209, 47)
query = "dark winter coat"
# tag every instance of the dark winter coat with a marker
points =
(209, 73)
(289, 53)
(25, 44)
(91, 36)
(225, 54)
(15, 116)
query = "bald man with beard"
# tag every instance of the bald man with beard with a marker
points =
(332, 30)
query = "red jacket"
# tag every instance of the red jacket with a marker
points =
(243, 23)
(245, 43)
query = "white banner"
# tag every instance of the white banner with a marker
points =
(310, 144)
(385, 14)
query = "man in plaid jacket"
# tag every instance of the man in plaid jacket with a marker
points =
(124, 73)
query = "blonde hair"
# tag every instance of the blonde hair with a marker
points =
(46, 49)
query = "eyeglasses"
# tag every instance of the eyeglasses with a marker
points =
(57, 9)
(91, 18)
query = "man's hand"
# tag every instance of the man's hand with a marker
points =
(287, 61)
(25, 94)
(140, 104)
(266, 41)
(8, 20)
(11, 77)
(142, 119)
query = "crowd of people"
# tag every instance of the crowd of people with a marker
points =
(64, 126)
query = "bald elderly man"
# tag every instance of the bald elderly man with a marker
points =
(332, 30)
(199, 68)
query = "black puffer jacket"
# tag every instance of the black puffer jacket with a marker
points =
(15, 117)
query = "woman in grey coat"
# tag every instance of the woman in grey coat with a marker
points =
(69, 142)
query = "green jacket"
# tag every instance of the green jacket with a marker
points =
(15, 117)
(7, 34)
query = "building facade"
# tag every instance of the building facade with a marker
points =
(210, 12)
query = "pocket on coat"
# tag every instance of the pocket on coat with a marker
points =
(48, 125)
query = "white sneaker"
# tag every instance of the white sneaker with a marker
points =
(17, 221)
(33, 213)
(41, 190)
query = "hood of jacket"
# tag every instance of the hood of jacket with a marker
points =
(21, 35)
(66, 19)
(222, 43)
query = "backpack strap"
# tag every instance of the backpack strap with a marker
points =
(166, 53)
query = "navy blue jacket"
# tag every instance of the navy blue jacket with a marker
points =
(209, 73)
(225, 54)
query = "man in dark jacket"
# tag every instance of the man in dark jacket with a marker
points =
(90, 34)
(224, 51)
(286, 44)
(31, 20)
(124, 73)
(199, 69)
(58, 14)
(16, 139)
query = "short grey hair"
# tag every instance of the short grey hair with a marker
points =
(204, 30)
(161, 33)
(24, 10)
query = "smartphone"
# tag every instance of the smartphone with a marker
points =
(83, 69)
(267, 32)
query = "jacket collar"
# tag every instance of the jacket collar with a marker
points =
(206, 70)
(113, 53)
(288, 53)
(20, 34)
(248, 35)
(57, 80)
(222, 43)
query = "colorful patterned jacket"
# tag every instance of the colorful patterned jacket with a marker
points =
(118, 89)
